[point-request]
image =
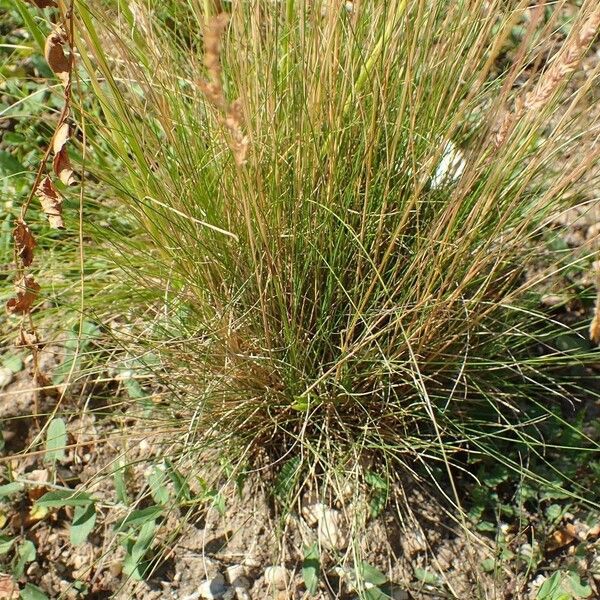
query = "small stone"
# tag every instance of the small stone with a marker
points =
(229, 594)
(213, 589)
(312, 513)
(414, 542)
(236, 575)
(242, 594)
(526, 550)
(330, 532)
(78, 561)
(241, 582)
(593, 231)
(552, 300)
(115, 568)
(538, 580)
(251, 562)
(6, 376)
(277, 577)
(34, 570)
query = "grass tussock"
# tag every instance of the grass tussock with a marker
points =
(336, 213)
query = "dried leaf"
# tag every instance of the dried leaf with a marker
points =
(27, 339)
(43, 3)
(61, 137)
(42, 478)
(62, 164)
(24, 242)
(561, 538)
(51, 202)
(9, 590)
(55, 55)
(27, 291)
(62, 167)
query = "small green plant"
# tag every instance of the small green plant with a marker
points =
(563, 586)
(138, 532)
(311, 568)
(32, 592)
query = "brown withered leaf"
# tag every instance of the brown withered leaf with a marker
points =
(28, 339)
(55, 55)
(51, 202)
(9, 589)
(561, 538)
(43, 3)
(27, 291)
(62, 167)
(62, 164)
(61, 137)
(24, 242)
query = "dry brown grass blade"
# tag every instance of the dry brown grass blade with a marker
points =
(24, 242)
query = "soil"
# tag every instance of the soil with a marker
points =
(426, 552)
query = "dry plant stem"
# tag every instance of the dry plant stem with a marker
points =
(595, 324)
(39, 377)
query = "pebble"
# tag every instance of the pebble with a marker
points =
(277, 577)
(213, 589)
(241, 582)
(313, 512)
(236, 575)
(251, 562)
(414, 542)
(115, 568)
(6, 376)
(242, 594)
(330, 532)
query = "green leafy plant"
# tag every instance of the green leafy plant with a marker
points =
(32, 592)
(311, 568)
(563, 586)
(138, 530)
(56, 440)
